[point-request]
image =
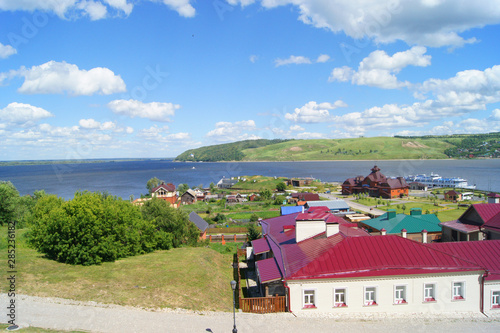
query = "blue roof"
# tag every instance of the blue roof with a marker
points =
(287, 210)
(331, 204)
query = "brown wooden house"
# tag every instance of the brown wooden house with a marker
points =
(376, 184)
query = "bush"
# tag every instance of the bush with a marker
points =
(90, 229)
(252, 233)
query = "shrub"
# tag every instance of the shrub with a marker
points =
(90, 229)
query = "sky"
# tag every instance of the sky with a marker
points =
(83, 79)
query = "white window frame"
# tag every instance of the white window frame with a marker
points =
(434, 293)
(495, 299)
(458, 296)
(308, 304)
(370, 302)
(401, 300)
(336, 291)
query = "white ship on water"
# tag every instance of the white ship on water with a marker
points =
(435, 180)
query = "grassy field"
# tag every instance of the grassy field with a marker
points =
(377, 148)
(190, 278)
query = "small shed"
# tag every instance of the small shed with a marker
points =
(200, 223)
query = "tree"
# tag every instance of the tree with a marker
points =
(281, 186)
(170, 221)
(254, 218)
(9, 198)
(152, 183)
(90, 229)
(265, 194)
(182, 188)
(212, 187)
(253, 233)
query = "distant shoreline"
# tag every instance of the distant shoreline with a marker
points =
(85, 161)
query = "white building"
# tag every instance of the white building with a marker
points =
(324, 264)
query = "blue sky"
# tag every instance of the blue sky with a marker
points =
(152, 78)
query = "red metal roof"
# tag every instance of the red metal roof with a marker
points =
(260, 246)
(168, 187)
(317, 215)
(268, 270)
(378, 256)
(487, 211)
(462, 227)
(483, 253)
(316, 209)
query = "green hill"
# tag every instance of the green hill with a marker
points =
(376, 148)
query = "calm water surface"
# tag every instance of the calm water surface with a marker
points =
(129, 177)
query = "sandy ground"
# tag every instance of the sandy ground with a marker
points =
(93, 317)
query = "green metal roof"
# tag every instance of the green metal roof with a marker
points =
(412, 223)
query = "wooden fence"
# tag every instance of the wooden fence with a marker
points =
(263, 304)
(269, 304)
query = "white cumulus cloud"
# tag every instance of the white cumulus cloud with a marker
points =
(313, 112)
(94, 9)
(154, 111)
(58, 77)
(20, 113)
(416, 22)
(6, 51)
(226, 131)
(379, 69)
(296, 60)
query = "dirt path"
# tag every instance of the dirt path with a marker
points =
(92, 317)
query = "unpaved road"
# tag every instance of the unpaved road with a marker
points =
(92, 317)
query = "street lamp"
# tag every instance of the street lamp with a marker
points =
(233, 286)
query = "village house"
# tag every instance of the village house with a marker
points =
(298, 182)
(188, 197)
(227, 182)
(296, 197)
(493, 198)
(322, 264)
(376, 184)
(200, 223)
(415, 226)
(453, 195)
(166, 192)
(334, 206)
(478, 222)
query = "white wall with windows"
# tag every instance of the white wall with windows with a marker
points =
(419, 294)
(492, 298)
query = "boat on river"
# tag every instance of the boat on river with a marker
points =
(435, 180)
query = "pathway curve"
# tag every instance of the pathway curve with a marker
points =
(63, 314)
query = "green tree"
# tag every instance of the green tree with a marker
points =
(152, 183)
(265, 194)
(90, 229)
(9, 198)
(170, 221)
(212, 187)
(254, 218)
(281, 186)
(182, 188)
(252, 233)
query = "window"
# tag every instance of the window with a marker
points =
(339, 297)
(400, 295)
(370, 296)
(309, 301)
(429, 292)
(458, 290)
(495, 299)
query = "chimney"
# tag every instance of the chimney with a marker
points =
(332, 229)
(383, 232)
(403, 233)
(391, 213)
(302, 209)
(424, 236)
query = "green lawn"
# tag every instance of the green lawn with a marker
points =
(190, 278)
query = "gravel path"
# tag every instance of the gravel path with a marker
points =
(93, 317)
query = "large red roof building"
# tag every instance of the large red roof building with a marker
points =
(322, 263)
(376, 185)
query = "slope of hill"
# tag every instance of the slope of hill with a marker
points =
(382, 148)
